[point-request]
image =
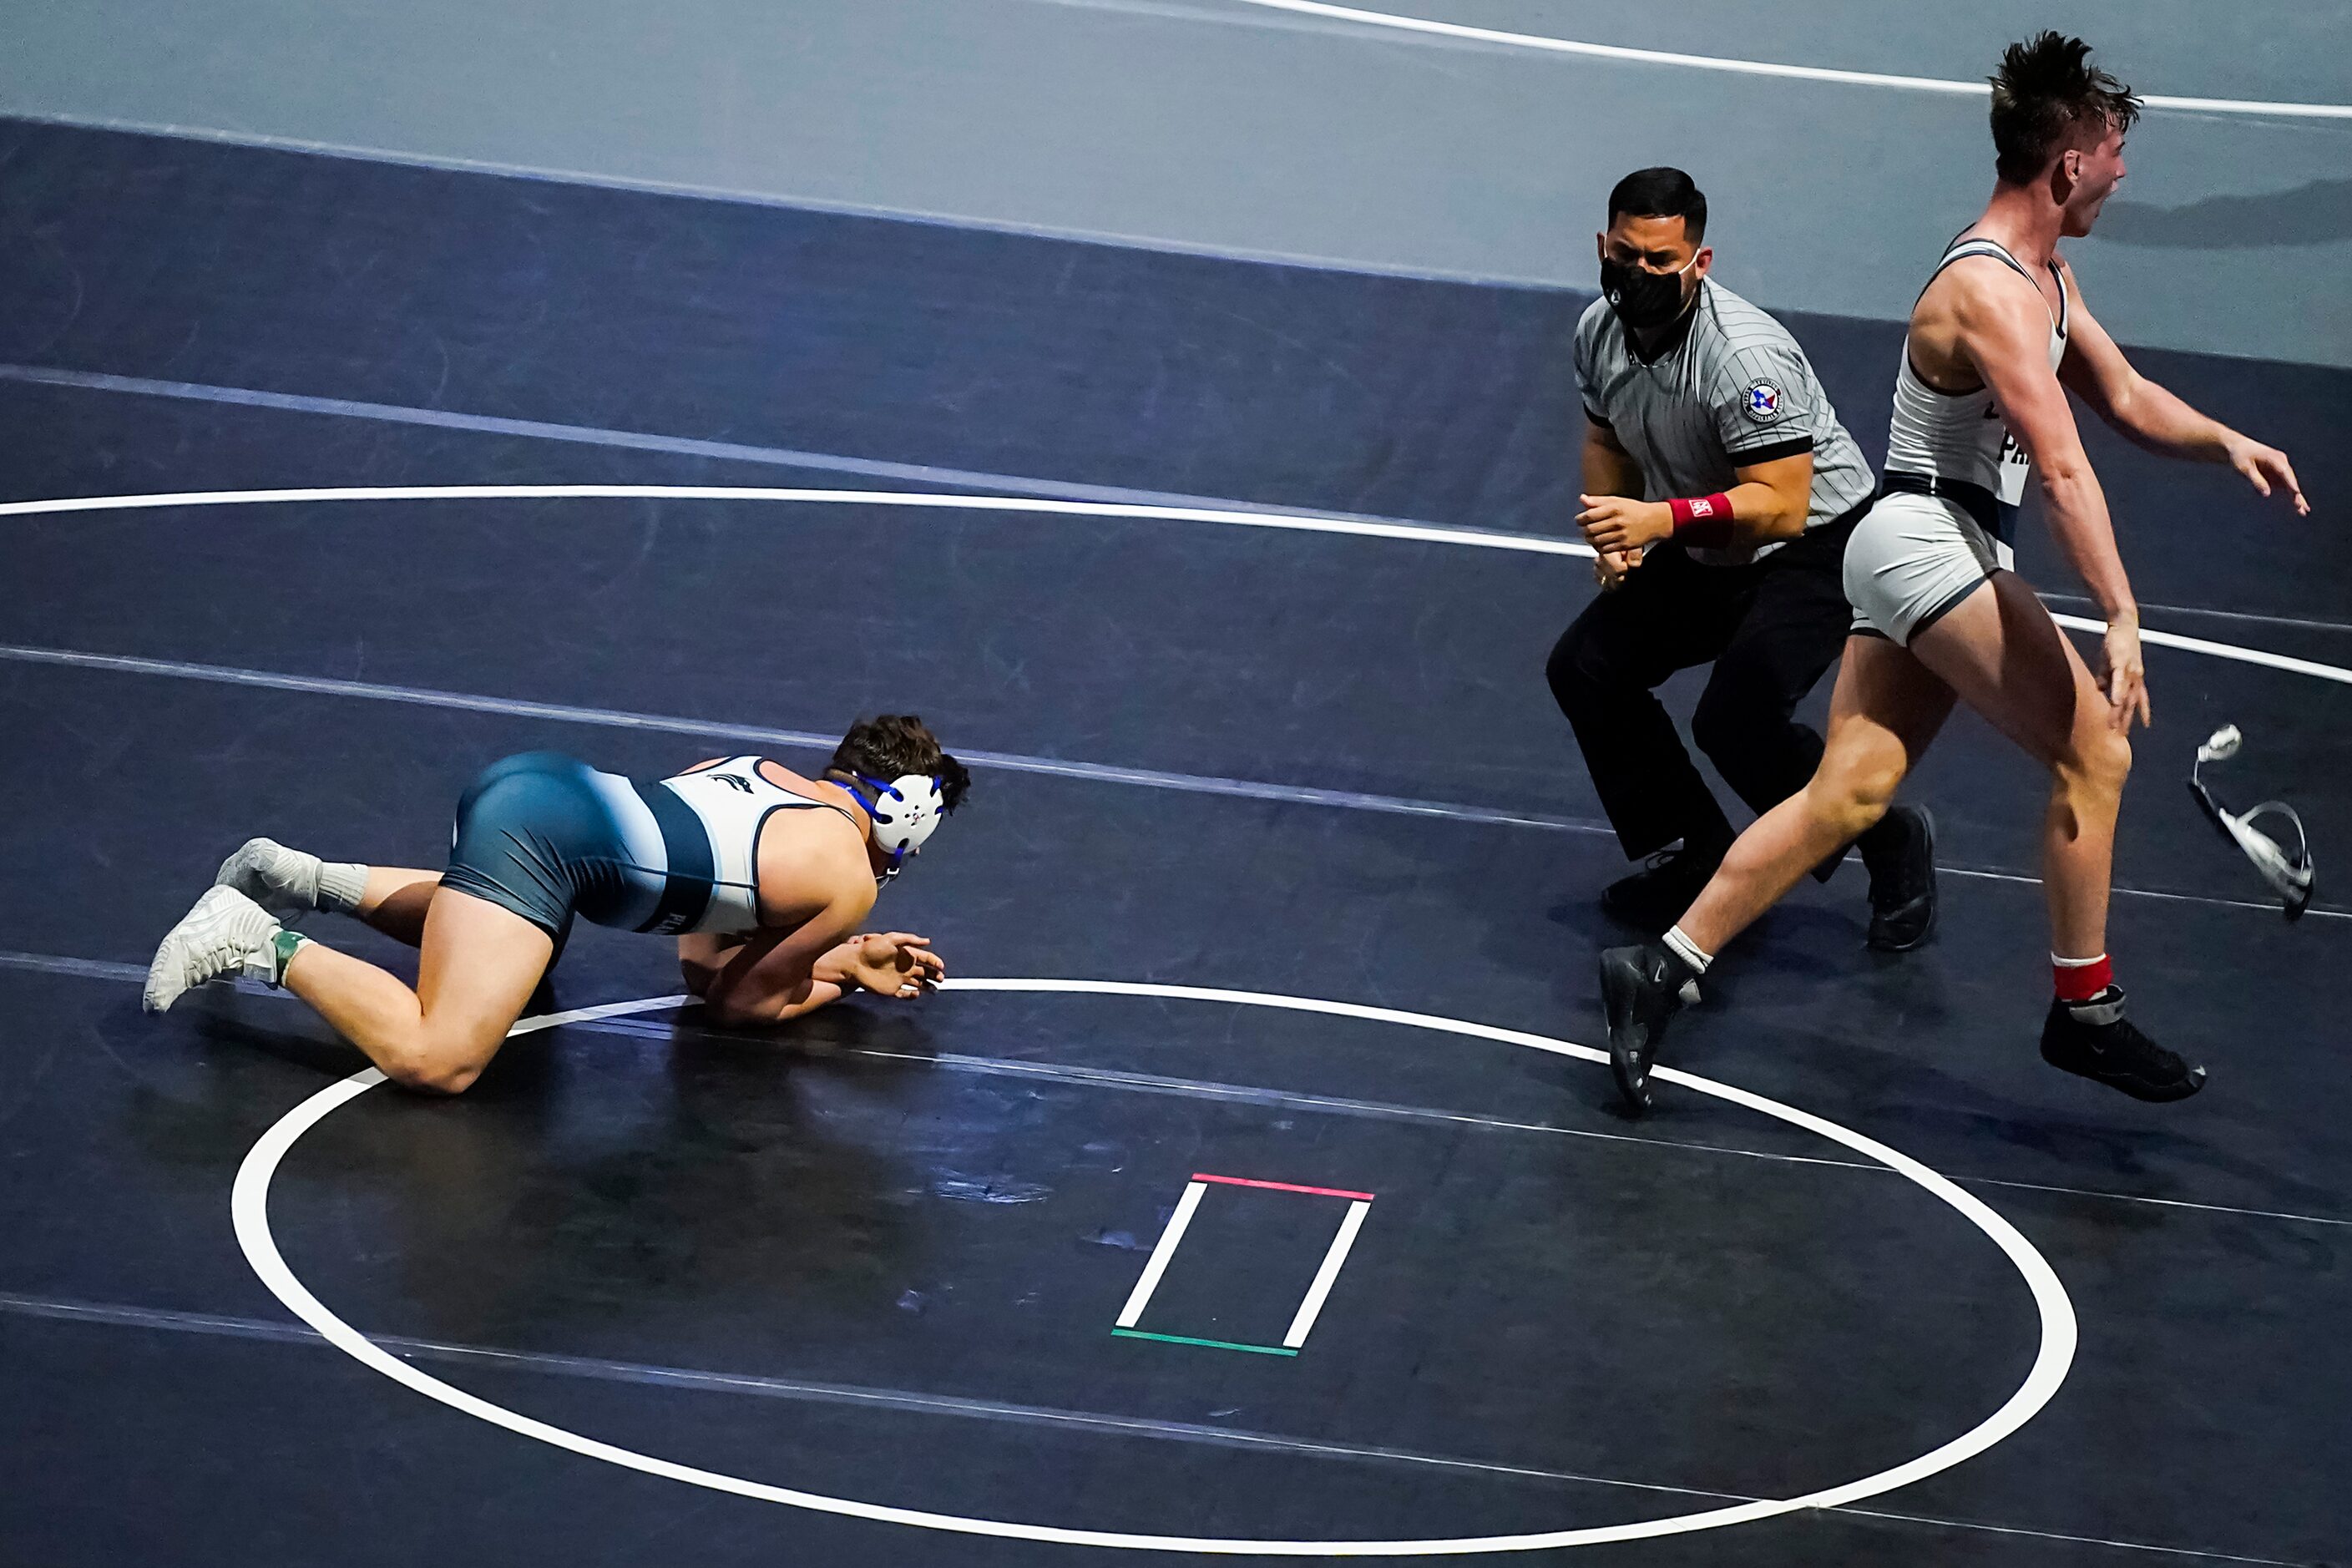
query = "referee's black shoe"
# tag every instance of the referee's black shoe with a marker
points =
(1655, 897)
(1641, 988)
(2096, 1040)
(1899, 852)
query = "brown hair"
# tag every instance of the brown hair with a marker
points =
(890, 745)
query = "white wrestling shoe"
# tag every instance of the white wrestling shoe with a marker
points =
(283, 881)
(225, 935)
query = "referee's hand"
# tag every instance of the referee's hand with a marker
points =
(1621, 523)
(1609, 567)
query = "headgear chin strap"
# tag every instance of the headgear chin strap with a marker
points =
(905, 813)
(2290, 876)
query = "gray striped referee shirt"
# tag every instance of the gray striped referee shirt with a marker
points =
(1733, 390)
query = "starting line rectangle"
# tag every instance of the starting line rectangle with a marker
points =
(1302, 1322)
(1281, 1186)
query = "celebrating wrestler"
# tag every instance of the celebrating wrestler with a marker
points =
(1998, 338)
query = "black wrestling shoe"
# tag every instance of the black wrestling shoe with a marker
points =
(1655, 897)
(2095, 1039)
(1900, 853)
(1641, 988)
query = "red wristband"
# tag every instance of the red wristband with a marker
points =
(1702, 521)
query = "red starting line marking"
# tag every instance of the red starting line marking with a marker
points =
(1282, 1188)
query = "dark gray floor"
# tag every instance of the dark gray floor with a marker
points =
(779, 1259)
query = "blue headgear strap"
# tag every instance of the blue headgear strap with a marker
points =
(872, 803)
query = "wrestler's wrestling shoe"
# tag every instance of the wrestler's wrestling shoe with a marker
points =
(1900, 854)
(2095, 1039)
(283, 881)
(1641, 988)
(225, 936)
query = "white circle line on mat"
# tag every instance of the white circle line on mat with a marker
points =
(1304, 522)
(249, 1207)
(1733, 65)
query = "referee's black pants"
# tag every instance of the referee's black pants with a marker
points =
(1771, 628)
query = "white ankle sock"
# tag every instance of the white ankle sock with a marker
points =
(342, 885)
(1690, 952)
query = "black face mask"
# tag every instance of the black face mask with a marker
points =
(1643, 299)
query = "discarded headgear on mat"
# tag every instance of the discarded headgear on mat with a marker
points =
(2289, 876)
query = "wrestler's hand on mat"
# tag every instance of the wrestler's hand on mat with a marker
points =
(895, 964)
(2263, 468)
(1610, 566)
(2125, 678)
(1619, 523)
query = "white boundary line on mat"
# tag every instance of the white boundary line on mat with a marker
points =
(249, 1208)
(1423, 532)
(1467, 33)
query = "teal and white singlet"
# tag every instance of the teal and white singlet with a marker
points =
(550, 838)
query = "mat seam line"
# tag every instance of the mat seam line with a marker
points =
(820, 462)
(1101, 772)
(262, 1330)
(1154, 1083)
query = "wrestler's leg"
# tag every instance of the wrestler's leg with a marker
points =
(479, 966)
(1885, 710)
(396, 899)
(2006, 659)
(288, 882)
(2004, 654)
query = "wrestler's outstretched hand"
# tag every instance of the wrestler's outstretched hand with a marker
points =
(2265, 467)
(895, 964)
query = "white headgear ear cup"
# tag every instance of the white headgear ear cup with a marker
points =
(905, 812)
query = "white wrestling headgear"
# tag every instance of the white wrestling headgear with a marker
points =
(2289, 876)
(905, 812)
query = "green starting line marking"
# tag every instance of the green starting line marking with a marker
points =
(1213, 1345)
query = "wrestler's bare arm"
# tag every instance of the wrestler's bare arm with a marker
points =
(2000, 325)
(774, 975)
(2154, 417)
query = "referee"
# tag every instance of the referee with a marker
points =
(1720, 489)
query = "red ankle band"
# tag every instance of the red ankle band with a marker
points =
(2079, 982)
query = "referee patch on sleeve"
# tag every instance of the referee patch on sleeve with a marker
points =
(1763, 401)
